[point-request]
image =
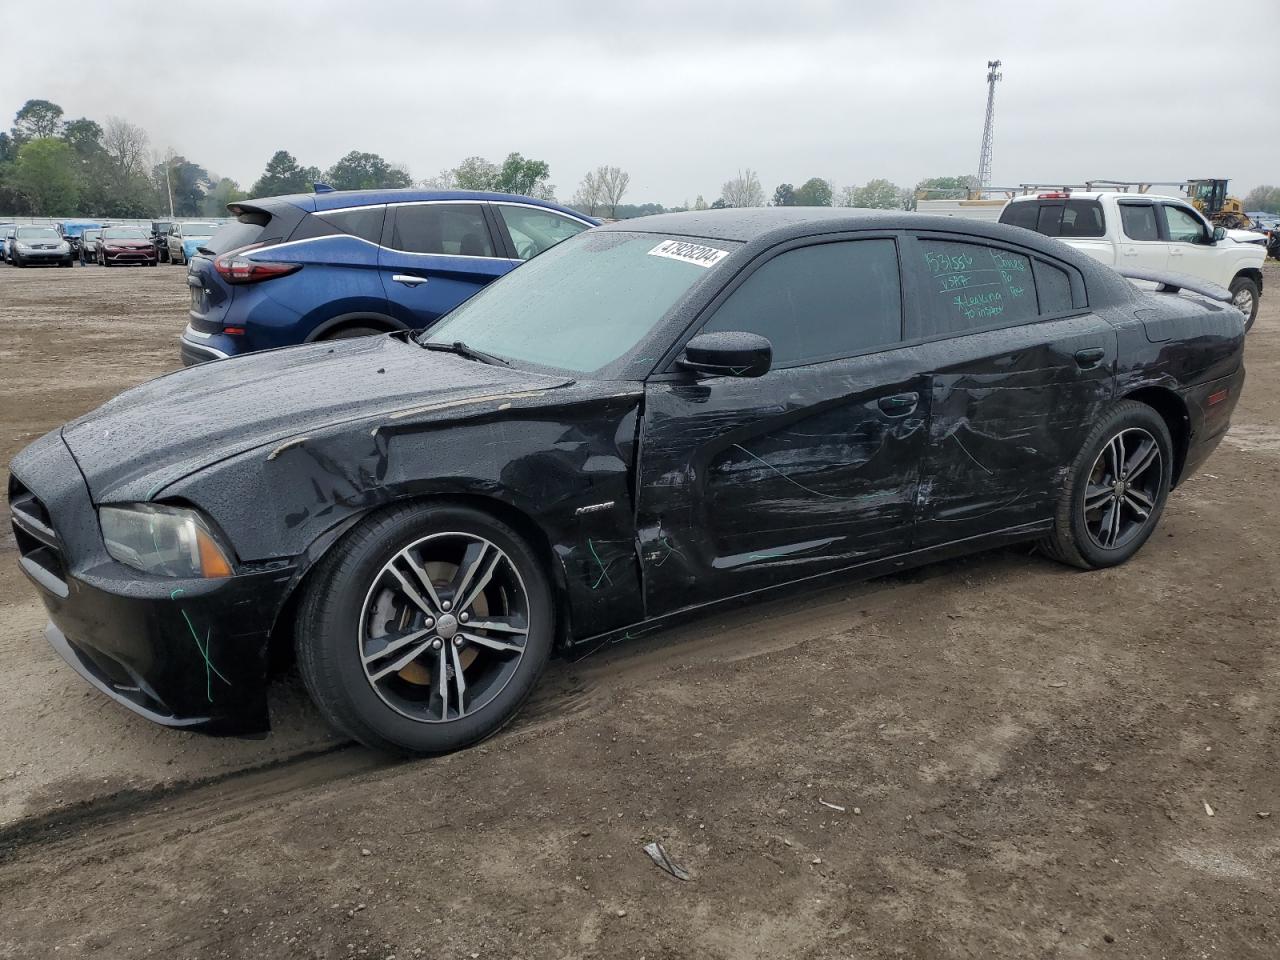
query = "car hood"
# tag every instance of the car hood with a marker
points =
(132, 447)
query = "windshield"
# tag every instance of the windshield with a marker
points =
(584, 303)
(125, 233)
(199, 229)
(38, 233)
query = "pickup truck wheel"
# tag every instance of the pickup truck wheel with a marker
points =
(1116, 489)
(425, 628)
(1244, 297)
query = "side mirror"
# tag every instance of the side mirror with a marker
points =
(728, 353)
(1219, 233)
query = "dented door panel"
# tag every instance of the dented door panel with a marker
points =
(745, 483)
(1010, 410)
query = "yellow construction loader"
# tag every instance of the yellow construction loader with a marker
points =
(1210, 198)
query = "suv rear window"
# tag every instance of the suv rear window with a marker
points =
(247, 228)
(1057, 218)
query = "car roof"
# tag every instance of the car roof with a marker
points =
(338, 199)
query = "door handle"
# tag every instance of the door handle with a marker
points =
(1128, 252)
(1175, 250)
(408, 279)
(1090, 357)
(899, 405)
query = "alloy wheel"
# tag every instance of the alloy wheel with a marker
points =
(1123, 488)
(443, 627)
(1243, 301)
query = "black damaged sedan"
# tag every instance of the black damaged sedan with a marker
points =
(644, 421)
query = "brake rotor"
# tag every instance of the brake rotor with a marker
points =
(441, 573)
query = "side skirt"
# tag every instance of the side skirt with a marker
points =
(866, 570)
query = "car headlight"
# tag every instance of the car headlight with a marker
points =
(19, 245)
(169, 541)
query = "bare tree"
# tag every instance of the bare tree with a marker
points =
(613, 184)
(744, 190)
(126, 146)
(590, 194)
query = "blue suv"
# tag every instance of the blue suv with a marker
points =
(340, 264)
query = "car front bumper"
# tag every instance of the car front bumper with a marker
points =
(44, 256)
(182, 653)
(130, 256)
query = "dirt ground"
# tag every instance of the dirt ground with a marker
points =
(993, 757)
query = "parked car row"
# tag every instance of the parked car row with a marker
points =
(106, 245)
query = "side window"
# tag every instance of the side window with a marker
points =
(533, 230)
(1082, 218)
(454, 229)
(1053, 288)
(820, 302)
(1138, 220)
(365, 222)
(1182, 225)
(1023, 214)
(970, 286)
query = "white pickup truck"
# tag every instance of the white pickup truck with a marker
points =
(1141, 232)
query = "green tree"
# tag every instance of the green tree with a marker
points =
(37, 119)
(46, 176)
(475, 173)
(283, 175)
(956, 185)
(699, 204)
(879, 195)
(185, 181)
(814, 192)
(365, 171)
(222, 191)
(526, 178)
(784, 195)
(1265, 197)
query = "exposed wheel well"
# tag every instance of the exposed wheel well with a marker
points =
(1174, 412)
(280, 643)
(1250, 273)
(347, 321)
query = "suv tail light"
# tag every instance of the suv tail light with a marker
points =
(234, 267)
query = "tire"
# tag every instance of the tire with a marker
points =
(351, 601)
(1073, 540)
(350, 333)
(1244, 287)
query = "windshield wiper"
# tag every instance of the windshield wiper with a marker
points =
(462, 350)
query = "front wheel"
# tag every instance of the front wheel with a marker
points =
(1116, 489)
(1244, 297)
(425, 628)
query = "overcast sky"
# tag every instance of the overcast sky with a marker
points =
(680, 95)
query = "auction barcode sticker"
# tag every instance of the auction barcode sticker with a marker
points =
(694, 253)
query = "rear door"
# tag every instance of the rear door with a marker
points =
(1019, 371)
(1140, 245)
(435, 255)
(745, 483)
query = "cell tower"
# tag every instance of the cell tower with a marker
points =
(984, 159)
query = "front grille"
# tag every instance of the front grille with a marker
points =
(39, 550)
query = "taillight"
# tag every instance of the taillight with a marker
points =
(1053, 196)
(234, 267)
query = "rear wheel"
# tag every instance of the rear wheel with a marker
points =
(1244, 297)
(1116, 489)
(425, 629)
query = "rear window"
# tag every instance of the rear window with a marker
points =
(1057, 218)
(255, 225)
(1138, 220)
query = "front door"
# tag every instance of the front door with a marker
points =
(1191, 246)
(745, 483)
(434, 256)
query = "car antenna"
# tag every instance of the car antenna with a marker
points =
(320, 187)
